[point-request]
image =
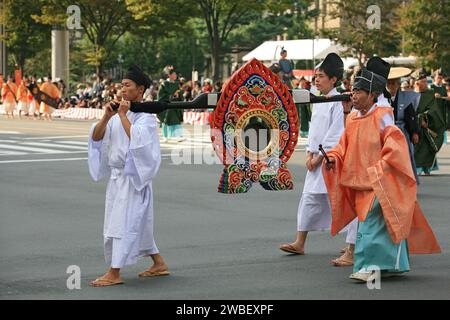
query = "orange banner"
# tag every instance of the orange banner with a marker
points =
(18, 77)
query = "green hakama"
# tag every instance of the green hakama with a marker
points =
(375, 248)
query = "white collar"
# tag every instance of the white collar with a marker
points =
(333, 92)
(370, 110)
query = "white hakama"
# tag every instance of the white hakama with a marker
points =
(327, 126)
(314, 212)
(23, 106)
(10, 107)
(131, 163)
(32, 109)
(351, 229)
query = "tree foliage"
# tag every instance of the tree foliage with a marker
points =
(104, 22)
(425, 26)
(358, 31)
(24, 37)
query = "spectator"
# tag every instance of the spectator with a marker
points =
(217, 86)
(62, 87)
(207, 87)
(80, 91)
(197, 89)
(286, 68)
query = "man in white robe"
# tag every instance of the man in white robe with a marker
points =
(125, 146)
(327, 126)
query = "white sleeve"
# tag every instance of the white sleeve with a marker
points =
(309, 141)
(98, 155)
(336, 128)
(387, 120)
(144, 156)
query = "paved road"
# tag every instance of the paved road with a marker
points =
(217, 246)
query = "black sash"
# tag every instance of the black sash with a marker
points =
(41, 96)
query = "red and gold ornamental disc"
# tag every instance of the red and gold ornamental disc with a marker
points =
(254, 130)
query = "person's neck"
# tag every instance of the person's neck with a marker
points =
(327, 91)
(365, 109)
(138, 99)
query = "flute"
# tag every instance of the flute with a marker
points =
(209, 100)
(324, 153)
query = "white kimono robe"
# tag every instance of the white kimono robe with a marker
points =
(131, 163)
(327, 126)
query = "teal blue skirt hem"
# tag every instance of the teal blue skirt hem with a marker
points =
(374, 248)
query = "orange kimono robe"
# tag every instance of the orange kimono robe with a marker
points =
(9, 90)
(372, 163)
(22, 94)
(50, 89)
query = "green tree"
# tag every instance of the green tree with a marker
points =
(221, 24)
(280, 17)
(104, 22)
(221, 17)
(24, 36)
(426, 28)
(166, 32)
(358, 33)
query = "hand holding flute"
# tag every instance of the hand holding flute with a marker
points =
(330, 162)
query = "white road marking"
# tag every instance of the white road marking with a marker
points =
(11, 153)
(43, 160)
(31, 149)
(43, 144)
(56, 137)
(81, 143)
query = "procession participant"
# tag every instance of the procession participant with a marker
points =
(440, 91)
(303, 110)
(405, 105)
(438, 85)
(9, 97)
(23, 97)
(327, 125)
(125, 145)
(382, 68)
(171, 119)
(430, 117)
(32, 102)
(346, 85)
(49, 88)
(370, 177)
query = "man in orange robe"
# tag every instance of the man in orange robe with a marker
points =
(49, 88)
(9, 97)
(369, 176)
(23, 97)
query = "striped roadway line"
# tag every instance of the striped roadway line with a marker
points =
(11, 153)
(81, 143)
(43, 144)
(31, 149)
(42, 160)
(55, 137)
